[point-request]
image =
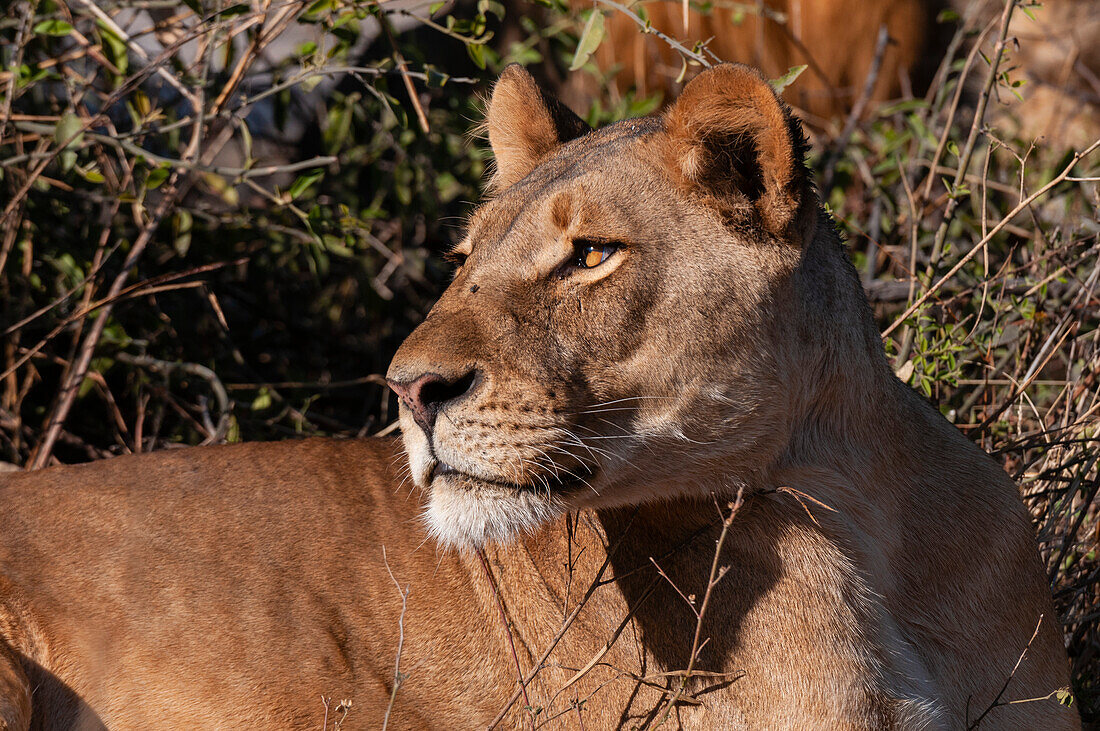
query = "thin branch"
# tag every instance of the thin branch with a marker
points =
(997, 700)
(228, 172)
(716, 575)
(960, 86)
(648, 28)
(1020, 208)
(615, 634)
(857, 111)
(75, 376)
(971, 141)
(399, 60)
(194, 369)
(596, 583)
(398, 678)
(508, 632)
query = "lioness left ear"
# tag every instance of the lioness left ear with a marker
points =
(731, 136)
(525, 126)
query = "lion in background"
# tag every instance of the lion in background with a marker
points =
(1056, 55)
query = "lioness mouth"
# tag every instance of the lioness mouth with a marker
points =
(562, 480)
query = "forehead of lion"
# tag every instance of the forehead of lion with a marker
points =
(592, 187)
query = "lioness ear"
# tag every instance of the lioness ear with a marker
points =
(525, 126)
(731, 136)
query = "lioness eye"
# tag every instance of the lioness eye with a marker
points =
(457, 258)
(589, 254)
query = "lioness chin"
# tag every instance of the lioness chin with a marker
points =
(648, 321)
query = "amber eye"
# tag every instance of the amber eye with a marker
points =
(590, 254)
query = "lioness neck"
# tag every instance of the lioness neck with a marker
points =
(844, 528)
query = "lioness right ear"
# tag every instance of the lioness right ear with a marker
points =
(732, 137)
(525, 126)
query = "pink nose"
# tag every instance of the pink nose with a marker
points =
(426, 395)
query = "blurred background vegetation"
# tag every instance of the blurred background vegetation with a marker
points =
(218, 220)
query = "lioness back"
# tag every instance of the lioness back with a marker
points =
(251, 573)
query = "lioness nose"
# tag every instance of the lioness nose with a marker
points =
(426, 395)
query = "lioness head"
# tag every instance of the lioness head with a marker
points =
(640, 312)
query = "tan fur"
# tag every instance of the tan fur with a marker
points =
(725, 348)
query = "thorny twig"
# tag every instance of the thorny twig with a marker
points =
(717, 573)
(997, 699)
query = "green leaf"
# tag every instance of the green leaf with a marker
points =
(101, 365)
(436, 78)
(115, 334)
(181, 228)
(302, 183)
(85, 386)
(683, 70)
(589, 41)
(234, 434)
(115, 47)
(157, 176)
(787, 79)
(69, 132)
(29, 74)
(195, 5)
(262, 400)
(908, 105)
(477, 54)
(57, 28)
(491, 7)
(246, 143)
(319, 7)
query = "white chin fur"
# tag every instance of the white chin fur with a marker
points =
(468, 517)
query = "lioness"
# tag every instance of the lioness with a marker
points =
(648, 321)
